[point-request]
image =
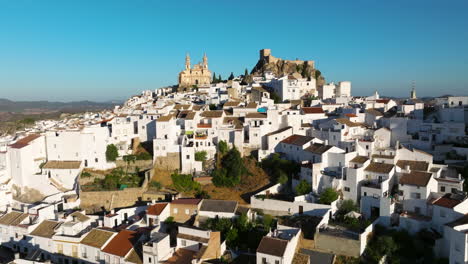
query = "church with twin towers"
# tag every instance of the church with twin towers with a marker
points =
(198, 75)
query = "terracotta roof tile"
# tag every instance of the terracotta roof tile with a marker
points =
(272, 246)
(193, 201)
(24, 141)
(122, 243)
(379, 167)
(312, 110)
(416, 178)
(297, 140)
(156, 209)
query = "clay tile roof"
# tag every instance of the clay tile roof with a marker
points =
(260, 89)
(297, 140)
(134, 257)
(80, 217)
(414, 165)
(384, 101)
(318, 148)
(379, 167)
(46, 229)
(186, 114)
(62, 164)
(374, 111)
(312, 110)
(181, 106)
(416, 178)
(448, 200)
(165, 118)
(256, 115)
(122, 243)
(156, 209)
(192, 201)
(218, 206)
(251, 105)
(279, 131)
(24, 141)
(13, 218)
(235, 121)
(197, 107)
(212, 114)
(351, 115)
(97, 238)
(272, 246)
(231, 104)
(359, 159)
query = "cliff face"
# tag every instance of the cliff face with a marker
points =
(280, 67)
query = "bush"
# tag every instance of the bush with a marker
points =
(303, 187)
(328, 196)
(347, 206)
(85, 174)
(144, 156)
(200, 155)
(202, 194)
(111, 152)
(156, 185)
(184, 182)
(283, 178)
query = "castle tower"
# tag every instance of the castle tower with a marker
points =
(205, 61)
(187, 62)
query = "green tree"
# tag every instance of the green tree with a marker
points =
(156, 185)
(267, 221)
(111, 152)
(223, 147)
(213, 107)
(184, 182)
(348, 206)
(231, 77)
(219, 78)
(201, 155)
(246, 72)
(328, 196)
(232, 236)
(214, 78)
(283, 178)
(231, 170)
(303, 187)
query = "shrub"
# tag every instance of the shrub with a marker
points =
(144, 156)
(111, 152)
(202, 194)
(200, 155)
(303, 187)
(156, 185)
(328, 196)
(85, 174)
(184, 182)
(348, 206)
(283, 178)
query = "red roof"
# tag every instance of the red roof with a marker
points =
(122, 243)
(156, 209)
(447, 202)
(312, 110)
(24, 141)
(385, 101)
(350, 115)
(186, 201)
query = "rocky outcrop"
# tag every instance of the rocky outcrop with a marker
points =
(280, 67)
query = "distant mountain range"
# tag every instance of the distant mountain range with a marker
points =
(46, 106)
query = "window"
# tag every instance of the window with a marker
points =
(264, 261)
(346, 189)
(96, 159)
(187, 211)
(188, 156)
(276, 261)
(442, 188)
(415, 196)
(454, 190)
(184, 243)
(176, 211)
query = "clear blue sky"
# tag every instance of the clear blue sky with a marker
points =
(105, 50)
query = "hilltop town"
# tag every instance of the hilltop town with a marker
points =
(274, 166)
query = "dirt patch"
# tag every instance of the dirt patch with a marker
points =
(249, 184)
(162, 176)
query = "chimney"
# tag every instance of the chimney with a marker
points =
(25, 209)
(407, 167)
(459, 176)
(74, 218)
(326, 142)
(397, 144)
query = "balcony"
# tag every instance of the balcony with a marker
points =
(202, 125)
(372, 184)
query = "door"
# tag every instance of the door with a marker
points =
(301, 209)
